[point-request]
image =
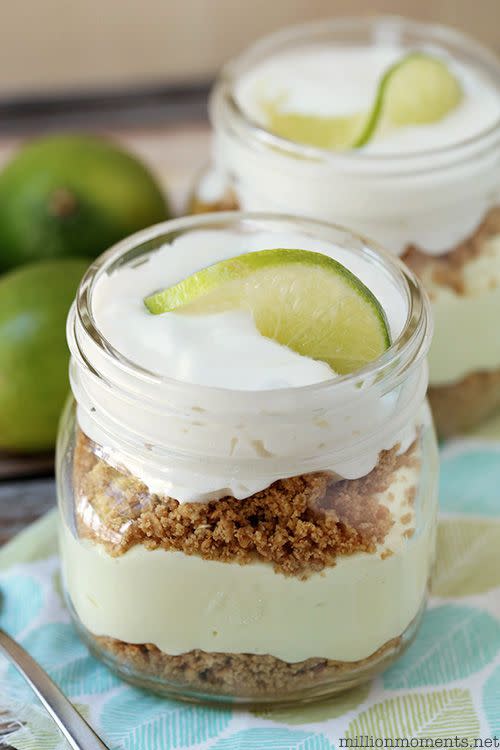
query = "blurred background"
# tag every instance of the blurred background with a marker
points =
(138, 68)
(138, 72)
(61, 47)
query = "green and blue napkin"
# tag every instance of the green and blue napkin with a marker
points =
(446, 686)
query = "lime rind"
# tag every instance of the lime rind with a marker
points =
(301, 299)
(418, 89)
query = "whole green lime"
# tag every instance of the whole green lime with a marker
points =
(34, 303)
(73, 196)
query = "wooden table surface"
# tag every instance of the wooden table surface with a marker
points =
(176, 154)
(22, 502)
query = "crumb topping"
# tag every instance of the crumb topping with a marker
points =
(227, 202)
(300, 525)
(448, 269)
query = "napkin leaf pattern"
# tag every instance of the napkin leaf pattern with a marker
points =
(319, 710)
(445, 713)
(491, 699)
(66, 660)
(446, 685)
(137, 720)
(470, 472)
(468, 558)
(38, 731)
(21, 602)
(273, 739)
(453, 643)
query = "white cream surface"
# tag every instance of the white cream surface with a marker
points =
(225, 349)
(466, 330)
(336, 81)
(180, 602)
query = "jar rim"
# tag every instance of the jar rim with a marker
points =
(223, 92)
(411, 344)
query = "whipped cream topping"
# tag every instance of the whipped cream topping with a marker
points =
(272, 413)
(336, 81)
(224, 350)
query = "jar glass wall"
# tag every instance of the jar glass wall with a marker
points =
(438, 208)
(255, 546)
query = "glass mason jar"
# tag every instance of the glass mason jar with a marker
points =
(439, 209)
(305, 578)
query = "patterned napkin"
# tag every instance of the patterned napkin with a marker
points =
(446, 686)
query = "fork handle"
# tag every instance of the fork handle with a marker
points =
(75, 729)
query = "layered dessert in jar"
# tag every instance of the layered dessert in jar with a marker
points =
(391, 127)
(247, 476)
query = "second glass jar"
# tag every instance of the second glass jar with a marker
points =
(439, 209)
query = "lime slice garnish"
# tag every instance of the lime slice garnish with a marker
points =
(417, 90)
(329, 133)
(301, 299)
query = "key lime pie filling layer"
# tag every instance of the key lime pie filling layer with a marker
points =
(425, 185)
(295, 564)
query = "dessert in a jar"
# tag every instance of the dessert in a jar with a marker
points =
(391, 127)
(247, 475)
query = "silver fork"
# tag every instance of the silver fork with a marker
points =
(79, 734)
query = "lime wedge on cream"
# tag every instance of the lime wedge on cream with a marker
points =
(417, 90)
(329, 133)
(301, 299)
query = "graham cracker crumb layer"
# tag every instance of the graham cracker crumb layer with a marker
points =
(447, 269)
(227, 202)
(460, 406)
(248, 676)
(299, 525)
